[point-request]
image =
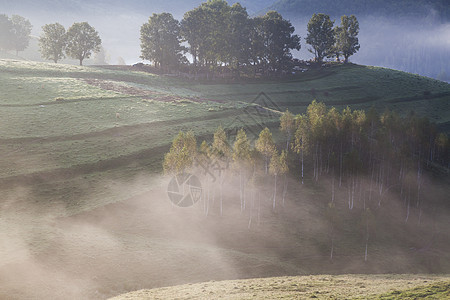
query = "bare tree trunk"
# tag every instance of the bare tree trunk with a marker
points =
(302, 166)
(285, 186)
(332, 189)
(340, 168)
(408, 207)
(259, 208)
(252, 200)
(241, 190)
(367, 239)
(275, 192)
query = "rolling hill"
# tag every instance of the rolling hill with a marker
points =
(307, 287)
(85, 212)
(398, 9)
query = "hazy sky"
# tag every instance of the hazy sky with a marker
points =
(407, 45)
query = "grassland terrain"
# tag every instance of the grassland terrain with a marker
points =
(307, 287)
(84, 211)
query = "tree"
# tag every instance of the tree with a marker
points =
(256, 43)
(82, 40)
(206, 29)
(21, 30)
(320, 36)
(193, 31)
(181, 154)
(240, 43)
(53, 41)
(275, 169)
(266, 146)
(279, 40)
(284, 168)
(221, 153)
(287, 126)
(6, 32)
(278, 166)
(347, 42)
(161, 41)
(301, 138)
(241, 160)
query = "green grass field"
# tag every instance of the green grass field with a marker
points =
(83, 200)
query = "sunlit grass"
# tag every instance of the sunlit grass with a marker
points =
(302, 287)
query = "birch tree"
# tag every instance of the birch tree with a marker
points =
(241, 160)
(266, 146)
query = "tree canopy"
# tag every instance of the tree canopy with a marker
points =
(347, 42)
(320, 36)
(6, 32)
(82, 40)
(53, 42)
(160, 41)
(14, 33)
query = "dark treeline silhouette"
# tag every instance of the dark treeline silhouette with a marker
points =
(224, 40)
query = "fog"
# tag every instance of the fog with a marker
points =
(58, 248)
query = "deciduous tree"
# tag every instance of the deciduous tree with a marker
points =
(266, 146)
(320, 36)
(161, 41)
(241, 160)
(347, 42)
(82, 40)
(6, 32)
(181, 154)
(21, 30)
(53, 41)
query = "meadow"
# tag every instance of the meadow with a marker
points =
(83, 199)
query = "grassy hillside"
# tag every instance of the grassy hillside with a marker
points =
(84, 212)
(307, 287)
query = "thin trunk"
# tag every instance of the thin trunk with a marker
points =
(302, 166)
(408, 205)
(367, 239)
(340, 167)
(332, 189)
(259, 208)
(349, 191)
(221, 197)
(371, 183)
(419, 171)
(353, 191)
(275, 192)
(240, 190)
(285, 186)
(251, 208)
(332, 242)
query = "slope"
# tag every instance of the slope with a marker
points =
(85, 213)
(304, 287)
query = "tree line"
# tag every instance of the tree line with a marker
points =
(78, 42)
(219, 36)
(348, 147)
(363, 155)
